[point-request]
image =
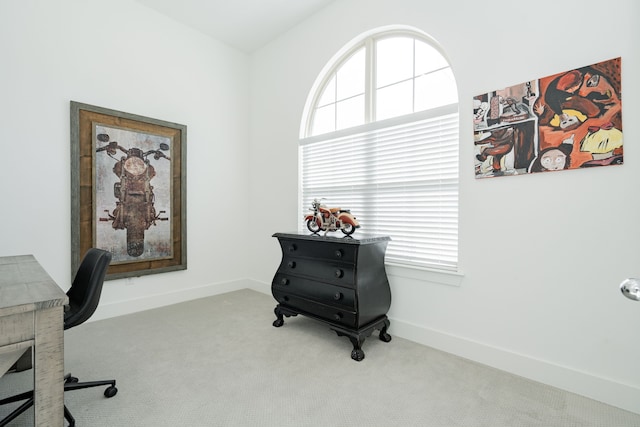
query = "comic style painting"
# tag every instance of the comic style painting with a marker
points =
(568, 120)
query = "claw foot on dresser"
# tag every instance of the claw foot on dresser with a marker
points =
(384, 336)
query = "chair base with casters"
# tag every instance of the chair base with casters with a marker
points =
(70, 384)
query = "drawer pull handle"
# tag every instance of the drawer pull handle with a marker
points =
(339, 253)
(339, 273)
(338, 316)
(337, 296)
(291, 264)
(292, 248)
(284, 282)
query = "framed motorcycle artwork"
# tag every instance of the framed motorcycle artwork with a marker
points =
(128, 190)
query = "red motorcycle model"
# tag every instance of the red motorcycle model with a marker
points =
(134, 209)
(330, 219)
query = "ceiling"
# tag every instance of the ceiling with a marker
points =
(246, 25)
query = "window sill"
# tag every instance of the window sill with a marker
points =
(441, 277)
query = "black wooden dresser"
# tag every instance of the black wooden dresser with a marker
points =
(340, 281)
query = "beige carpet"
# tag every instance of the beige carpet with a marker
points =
(218, 361)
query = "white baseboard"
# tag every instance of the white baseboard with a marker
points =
(604, 390)
(121, 308)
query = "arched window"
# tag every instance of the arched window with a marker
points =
(380, 136)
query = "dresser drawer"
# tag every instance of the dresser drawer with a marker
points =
(337, 273)
(316, 291)
(332, 314)
(319, 249)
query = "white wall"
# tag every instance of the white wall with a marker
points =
(542, 255)
(121, 55)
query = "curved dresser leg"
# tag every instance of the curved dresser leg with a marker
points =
(280, 317)
(384, 336)
(357, 354)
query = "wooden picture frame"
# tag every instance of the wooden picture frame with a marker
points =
(128, 191)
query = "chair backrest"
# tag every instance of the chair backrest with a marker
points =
(84, 294)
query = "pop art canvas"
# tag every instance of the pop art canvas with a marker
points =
(568, 120)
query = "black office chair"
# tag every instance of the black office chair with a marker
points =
(84, 296)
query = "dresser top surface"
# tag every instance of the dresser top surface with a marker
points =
(355, 239)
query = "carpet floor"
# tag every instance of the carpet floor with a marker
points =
(218, 361)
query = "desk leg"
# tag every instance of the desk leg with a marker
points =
(48, 367)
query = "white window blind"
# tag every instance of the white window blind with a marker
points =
(399, 180)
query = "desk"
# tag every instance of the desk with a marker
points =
(32, 315)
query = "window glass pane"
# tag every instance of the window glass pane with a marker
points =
(329, 94)
(435, 89)
(394, 60)
(394, 100)
(350, 77)
(324, 119)
(428, 59)
(350, 112)
(401, 178)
